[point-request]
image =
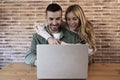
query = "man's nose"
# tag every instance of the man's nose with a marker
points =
(54, 22)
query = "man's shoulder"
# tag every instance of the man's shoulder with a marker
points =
(37, 37)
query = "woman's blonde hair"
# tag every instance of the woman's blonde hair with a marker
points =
(85, 28)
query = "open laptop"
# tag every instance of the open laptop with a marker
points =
(62, 61)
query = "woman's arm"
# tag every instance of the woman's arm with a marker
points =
(90, 50)
(40, 29)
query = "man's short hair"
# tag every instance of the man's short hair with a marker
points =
(53, 7)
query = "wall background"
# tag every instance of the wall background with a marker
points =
(17, 18)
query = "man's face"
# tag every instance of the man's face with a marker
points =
(54, 20)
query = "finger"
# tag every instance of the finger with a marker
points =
(41, 27)
(36, 27)
(54, 42)
(58, 41)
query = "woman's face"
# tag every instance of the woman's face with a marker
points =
(72, 21)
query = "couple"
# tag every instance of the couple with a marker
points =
(75, 30)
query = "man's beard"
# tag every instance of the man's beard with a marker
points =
(54, 28)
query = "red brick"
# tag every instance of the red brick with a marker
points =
(17, 19)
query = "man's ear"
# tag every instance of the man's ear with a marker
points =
(46, 17)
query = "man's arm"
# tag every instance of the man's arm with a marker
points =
(31, 53)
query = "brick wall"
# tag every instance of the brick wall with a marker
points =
(17, 18)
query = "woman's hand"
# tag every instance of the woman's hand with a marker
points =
(53, 41)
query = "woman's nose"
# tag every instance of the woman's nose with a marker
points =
(71, 21)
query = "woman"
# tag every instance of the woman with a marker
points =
(76, 22)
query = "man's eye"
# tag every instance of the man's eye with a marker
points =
(58, 18)
(50, 18)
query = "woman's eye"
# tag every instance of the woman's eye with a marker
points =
(68, 19)
(75, 18)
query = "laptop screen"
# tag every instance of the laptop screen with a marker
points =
(62, 61)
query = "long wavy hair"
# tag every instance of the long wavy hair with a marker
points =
(85, 28)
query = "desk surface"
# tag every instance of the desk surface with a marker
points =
(97, 71)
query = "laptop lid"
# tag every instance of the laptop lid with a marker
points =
(62, 61)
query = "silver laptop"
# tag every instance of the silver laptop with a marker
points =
(62, 61)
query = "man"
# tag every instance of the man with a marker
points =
(54, 28)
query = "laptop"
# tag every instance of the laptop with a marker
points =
(62, 62)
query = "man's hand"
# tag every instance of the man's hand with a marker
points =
(35, 63)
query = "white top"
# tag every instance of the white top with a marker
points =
(56, 35)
